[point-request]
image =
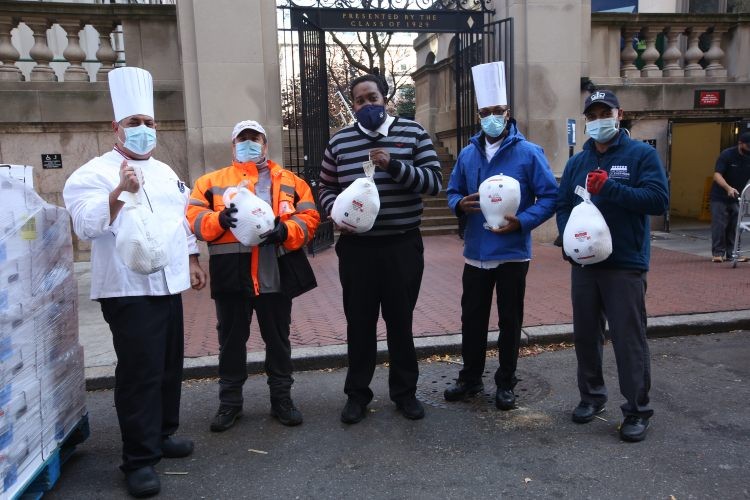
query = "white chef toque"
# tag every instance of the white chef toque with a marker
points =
(489, 84)
(132, 91)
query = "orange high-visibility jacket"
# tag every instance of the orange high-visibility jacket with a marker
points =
(234, 267)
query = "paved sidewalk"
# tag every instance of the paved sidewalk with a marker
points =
(681, 284)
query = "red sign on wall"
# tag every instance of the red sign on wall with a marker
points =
(709, 99)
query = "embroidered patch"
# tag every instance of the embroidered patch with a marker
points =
(619, 172)
(181, 186)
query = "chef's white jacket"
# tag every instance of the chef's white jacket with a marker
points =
(86, 196)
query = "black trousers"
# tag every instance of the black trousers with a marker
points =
(619, 297)
(234, 312)
(147, 333)
(509, 280)
(380, 272)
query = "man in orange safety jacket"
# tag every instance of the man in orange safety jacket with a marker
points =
(254, 279)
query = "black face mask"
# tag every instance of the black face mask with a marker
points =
(371, 116)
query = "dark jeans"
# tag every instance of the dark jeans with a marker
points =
(509, 280)
(147, 333)
(619, 297)
(380, 272)
(723, 228)
(234, 313)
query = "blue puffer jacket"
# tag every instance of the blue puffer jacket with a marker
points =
(517, 158)
(635, 189)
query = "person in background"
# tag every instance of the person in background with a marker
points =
(381, 268)
(731, 175)
(144, 312)
(247, 280)
(627, 184)
(496, 259)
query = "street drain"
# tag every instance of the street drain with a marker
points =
(435, 377)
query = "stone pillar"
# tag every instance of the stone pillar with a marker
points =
(73, 53)
(650, 55)
(8, 53)
(230, 70)
(40, 52)
(715, 54)
(672, 54)
(106, 54)
(694, 53)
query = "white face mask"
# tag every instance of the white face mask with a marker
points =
(603, 129)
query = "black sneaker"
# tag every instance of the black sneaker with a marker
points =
(411, 408)
(585, 412)
(633, 428)
(285, 412)
(353, 412)
(225, 418)
(462, 390)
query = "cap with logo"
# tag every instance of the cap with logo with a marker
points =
(247, 125)
(489, 84)
(601, 96)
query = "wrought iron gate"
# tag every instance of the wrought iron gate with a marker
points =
(315, 131)
(476, 42)
(494, 43)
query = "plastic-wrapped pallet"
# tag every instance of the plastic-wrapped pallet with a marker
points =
(42, 388)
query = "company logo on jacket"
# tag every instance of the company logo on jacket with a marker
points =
(619, 172)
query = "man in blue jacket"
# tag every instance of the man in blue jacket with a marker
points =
(628, 184)
(496, 258)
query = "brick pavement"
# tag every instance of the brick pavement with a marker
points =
(678, 283)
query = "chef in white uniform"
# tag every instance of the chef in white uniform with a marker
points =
(144, 312)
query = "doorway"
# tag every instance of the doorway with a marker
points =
(694, 147)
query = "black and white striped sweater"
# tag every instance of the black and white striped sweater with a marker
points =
(414, 170)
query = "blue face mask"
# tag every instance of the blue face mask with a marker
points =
(493, 125)
(371, 116)
(247, 151)
(141, 140)
(602, 130)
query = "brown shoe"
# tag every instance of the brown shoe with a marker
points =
(742, 259)
(717, 258)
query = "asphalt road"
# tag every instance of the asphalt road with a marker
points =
(698, 445)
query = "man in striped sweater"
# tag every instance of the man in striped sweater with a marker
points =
(381, 268)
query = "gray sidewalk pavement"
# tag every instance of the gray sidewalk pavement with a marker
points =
(687, 294)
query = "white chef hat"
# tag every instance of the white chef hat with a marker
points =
(489, 84)
(132, 91)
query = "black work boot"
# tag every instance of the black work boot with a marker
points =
(225, 418)
(285, 412)
(462, 390)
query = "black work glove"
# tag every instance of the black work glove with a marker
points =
(276, 235)
(567, 258)
(225, 217)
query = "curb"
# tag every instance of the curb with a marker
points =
(331, 357)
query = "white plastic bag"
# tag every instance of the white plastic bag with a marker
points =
(141, 241)
(357, 206)
(254, 216)
(499, 196)
(586, 238)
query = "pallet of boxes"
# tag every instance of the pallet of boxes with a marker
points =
(42, 388)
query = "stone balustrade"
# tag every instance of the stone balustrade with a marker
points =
(64, 27)
(671, 48)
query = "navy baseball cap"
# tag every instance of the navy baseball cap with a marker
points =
(745, 137)
(603, 96)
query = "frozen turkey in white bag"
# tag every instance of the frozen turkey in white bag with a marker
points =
(141, 240)
(254, 216)
(499, 196)
(357, 206)
(586, 238)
